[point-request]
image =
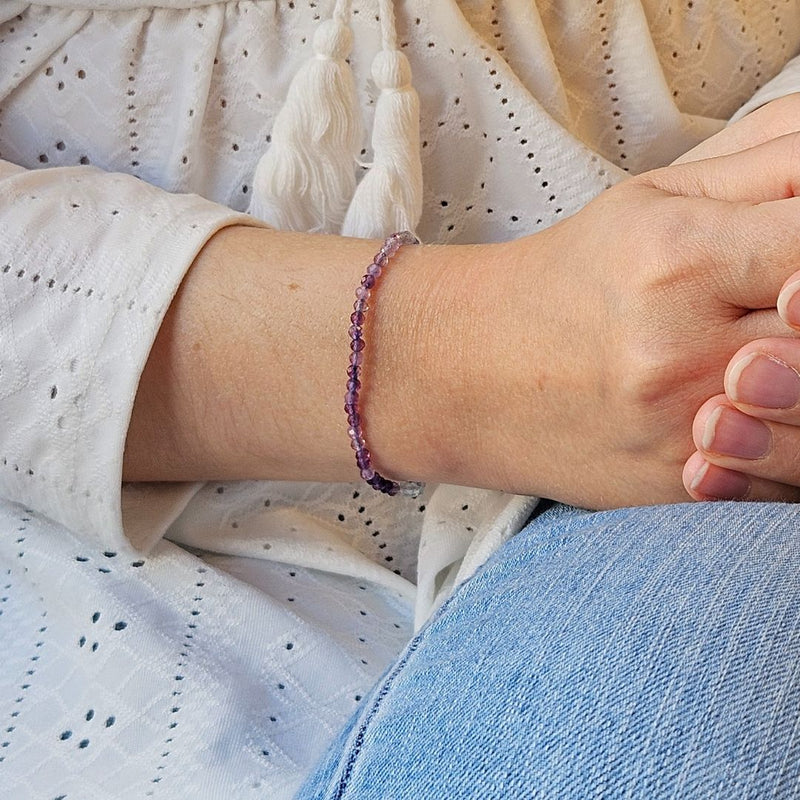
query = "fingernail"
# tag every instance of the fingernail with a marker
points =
(728, 432)
(720, 484)
(762, 380)
(789, 304)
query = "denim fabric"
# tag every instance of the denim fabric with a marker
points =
(638, 653)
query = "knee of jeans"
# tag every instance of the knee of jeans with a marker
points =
(604, 653)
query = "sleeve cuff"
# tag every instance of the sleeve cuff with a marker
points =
(89, 263)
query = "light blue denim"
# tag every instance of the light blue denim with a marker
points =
(638, 653)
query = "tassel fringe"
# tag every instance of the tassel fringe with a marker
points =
(389, 197)
(306, 178)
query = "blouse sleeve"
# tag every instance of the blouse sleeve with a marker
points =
(89, 262)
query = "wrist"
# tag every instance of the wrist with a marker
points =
(435, 364)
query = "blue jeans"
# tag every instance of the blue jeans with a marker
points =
(637, 653)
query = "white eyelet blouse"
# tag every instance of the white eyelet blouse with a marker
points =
(207, 641)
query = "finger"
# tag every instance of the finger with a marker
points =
(762, 379)
(756, 248)
(730, 439)
(706, 481)
(771, 120)
(768, 171)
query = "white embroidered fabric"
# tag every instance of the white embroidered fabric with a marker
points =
(208, 641)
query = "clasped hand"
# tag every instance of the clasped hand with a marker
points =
(667, 366)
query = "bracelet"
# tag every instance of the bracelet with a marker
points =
(357, 441)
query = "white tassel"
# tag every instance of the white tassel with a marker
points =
(389, 197)
(306, 179)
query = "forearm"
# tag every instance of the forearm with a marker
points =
(567, 364)
(248, 372)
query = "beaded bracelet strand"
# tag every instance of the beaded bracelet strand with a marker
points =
(363, 459)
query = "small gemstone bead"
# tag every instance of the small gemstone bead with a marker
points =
(357, 442)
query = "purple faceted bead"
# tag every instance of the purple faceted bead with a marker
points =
(357, 345)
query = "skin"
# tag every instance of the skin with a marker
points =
(743, 449)
(572, 363)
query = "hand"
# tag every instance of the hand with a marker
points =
(746, 450)
(620, 321)
(748, 439)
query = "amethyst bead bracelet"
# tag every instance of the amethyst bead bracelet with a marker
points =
(363, 459)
